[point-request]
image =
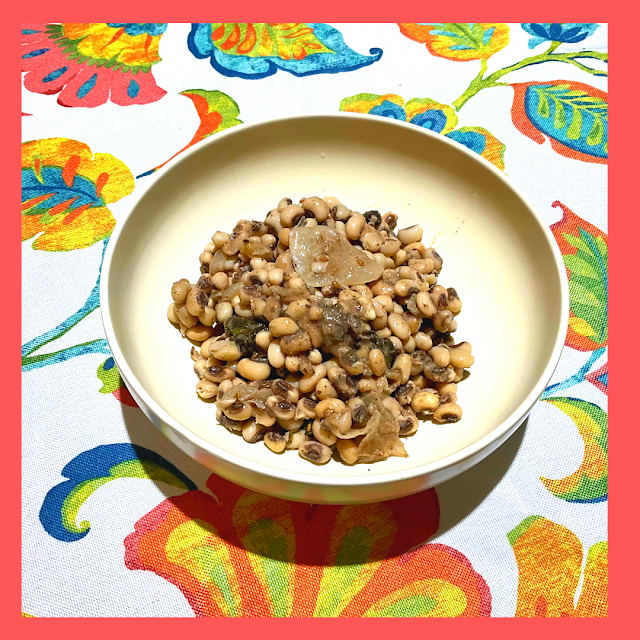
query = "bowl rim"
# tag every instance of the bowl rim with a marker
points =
(501, 430)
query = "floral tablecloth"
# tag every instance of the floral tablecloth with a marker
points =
(116, 521)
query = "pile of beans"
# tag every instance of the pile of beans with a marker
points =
(334, 368)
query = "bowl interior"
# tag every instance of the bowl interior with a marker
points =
(495, 254)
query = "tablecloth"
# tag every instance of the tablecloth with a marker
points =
(116, 521)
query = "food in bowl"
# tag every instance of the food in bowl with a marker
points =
(321, 329)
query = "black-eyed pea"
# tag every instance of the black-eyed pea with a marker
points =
(411, 234)
(332, 201)
(431, 279)
(171, 314)
(276, 276)
(385, 332)
(377, 362)
(281, 408)
(409, 345)
(398, 326)
(442, 321)
(184, 316)
(448, 412)
(253, 370)
(315, 356)
(338, 423)
(382, 288)
(367, 385)
(403, 364)
(400, 258)
(205, 258)
(322, 434)
(198, 333)
(461, 359)
(283, 327)
(292, 363)
(370, 239)
(413, 322)
(239, 411)
(284, 203)
(243, 310)
(340, 213)
(317, 207)
(329, 405)
(397, 308)
(422, 265)
(276, 440)
(263, 339)
(224, 311)
(425, 401)
(275, 356)
(324, 390)
(348, 451)
(196, 301)
(455, 304)
(445, 388)
(407, 424)
(290, 215)
(296, 440)
(453, 327)
(272, 308)
(350, 361)
(405, 287)
(220, 238)
(406, 273)
(315, 452)
(295, 344)
(286, 390)
(439, 297)
(423, 341)
(298, 308)
(206, 389)
(390, 247)
(225, 350)
(462, 346)
(253, 432)
(397, 343)
(420, 381)
(458, 374)
(283, 237)
(269, 240)
(363, 290)
(385, 301)
(405, 392)
(204, 348)
(205, 283)
(306, 409)
(308, 383)
(415, 250)
(440, 355)
(207, 316)
(315, 313)
(355, 225)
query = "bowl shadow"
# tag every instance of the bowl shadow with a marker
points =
(417, 519)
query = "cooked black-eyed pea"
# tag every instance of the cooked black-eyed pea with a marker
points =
(338, 423)
(290, 215)
(180, 290)
(340, 213)
(407, 423)
(461, 359)
(207, 316)
(398, 326)
(350, 361)
(425, 401)
(442, 321)
(370, 239)
(405, 287)
(420, 381)
(358, 412)
(411, 234)
(223, 387)
(281, 409)
(324, 389)
(295, 344)
(455, 304)
(224, 311)
(171, 314)
(252, 370)
(439, 296)
(199, 332)
(196, 301)
(264, 416)
(184, 316)
(439, 374)
(235, 426)
(283, 327)
(206, 389)
(292, 363)
(405, 392)
(263, 339)
(348, 451)
(330, 405)
(355, 225)
(315, 356)
(315, 452)
(316, 207)
(298, 309)
(205, 258)
(462, 346)
(205, 283)
(225, 350)
(306, 408)
(296, 439)
(322, 433)
(418, 360)
(403, 364)
(445, 388)
(276, 440)
(257, 306)
(400, 257)
(276, 276)
(423, 341)
(367, 385)
(284, 203)
(345, 385)
(431, 253)
(218, 374)
(412, 321)
(304, 366)
(377, 362)
(390, 247)
(269, 240)
(422, 265)
(239, 411)
(383, 288)
(220, 238)
(440, 355)
(253, 432)
(448, 412)
(285, 390)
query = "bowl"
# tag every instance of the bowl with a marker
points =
(498, 253)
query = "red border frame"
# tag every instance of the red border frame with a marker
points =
(625, 228)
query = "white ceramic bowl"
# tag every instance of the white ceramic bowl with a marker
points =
(497, 251)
